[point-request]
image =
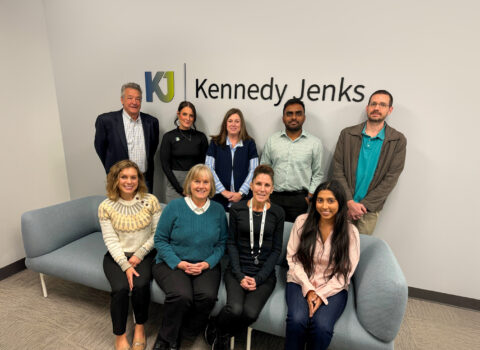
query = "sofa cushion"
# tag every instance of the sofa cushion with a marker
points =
(47, 229)
(80, 261)
(381, 288)
(348, 330)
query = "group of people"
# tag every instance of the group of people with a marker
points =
(181, 246)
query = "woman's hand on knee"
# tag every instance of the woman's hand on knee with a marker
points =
(248, 283)
(313, 301)
(134, 261)
(130, 272)
(197, 269)
(193, 269)
(183, 265)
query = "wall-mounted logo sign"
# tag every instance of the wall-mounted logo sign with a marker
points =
(152, 86)
(271, 90)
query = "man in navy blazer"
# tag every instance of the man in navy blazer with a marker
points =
(128, 134)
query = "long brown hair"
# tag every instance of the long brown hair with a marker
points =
(221, 138)
(113, 192)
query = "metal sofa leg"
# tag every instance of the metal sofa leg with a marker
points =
(249, 338)
(232, 343)
(44, 286)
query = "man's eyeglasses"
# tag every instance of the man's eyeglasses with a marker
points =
(381, 104)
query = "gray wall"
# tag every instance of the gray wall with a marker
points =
(425, 53)
(33, 172)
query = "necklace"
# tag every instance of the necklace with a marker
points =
(262, 228)
(189, 138)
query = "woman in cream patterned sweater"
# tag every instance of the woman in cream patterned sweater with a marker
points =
(128, 218)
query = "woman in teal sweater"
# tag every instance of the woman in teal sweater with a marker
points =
(190, 241)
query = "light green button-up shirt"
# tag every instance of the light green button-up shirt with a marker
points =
(297, 164)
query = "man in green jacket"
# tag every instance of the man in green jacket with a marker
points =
(368, 160)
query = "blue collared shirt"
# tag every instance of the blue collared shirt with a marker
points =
(367, 162)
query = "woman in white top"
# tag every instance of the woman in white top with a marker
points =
(128, 218)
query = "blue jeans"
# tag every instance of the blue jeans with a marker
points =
(315, 332)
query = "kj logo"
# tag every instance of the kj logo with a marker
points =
(153, 86)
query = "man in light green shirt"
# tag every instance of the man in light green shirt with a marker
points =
(296, 158)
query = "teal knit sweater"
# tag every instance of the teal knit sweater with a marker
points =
(183, 235)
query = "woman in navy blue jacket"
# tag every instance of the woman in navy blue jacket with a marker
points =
(232, 156)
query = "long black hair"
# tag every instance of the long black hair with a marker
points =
(339, 253)
(221, 138)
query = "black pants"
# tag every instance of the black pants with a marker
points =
(120, 291)
(243, 307)
(293, 203)
(149, 182)
(188, 299)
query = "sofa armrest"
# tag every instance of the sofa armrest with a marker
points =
(47, 229)
(381, 289)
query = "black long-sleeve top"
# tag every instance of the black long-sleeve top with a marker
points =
(238, 243)
(181, 150)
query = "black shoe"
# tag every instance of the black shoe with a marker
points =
(161, 344)
(174, 346)
(210, 332)
(221, 342)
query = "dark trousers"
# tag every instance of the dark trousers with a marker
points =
(149, 182)
(243, 307)
(140, 295)
(315, 332)
(188, 299)
(293, 203)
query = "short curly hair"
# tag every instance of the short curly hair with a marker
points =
(113, 191)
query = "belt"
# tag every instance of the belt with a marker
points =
(291, 193)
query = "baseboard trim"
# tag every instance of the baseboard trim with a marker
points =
(454, 300)
(12, 269)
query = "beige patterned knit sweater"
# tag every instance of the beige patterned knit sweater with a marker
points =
(129, 226)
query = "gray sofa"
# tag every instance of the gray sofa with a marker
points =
(65, 241)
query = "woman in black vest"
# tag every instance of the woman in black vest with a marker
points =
(232, 156)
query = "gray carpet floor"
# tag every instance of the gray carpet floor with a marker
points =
(75, 317)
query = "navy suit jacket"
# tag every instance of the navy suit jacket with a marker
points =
(111, 143)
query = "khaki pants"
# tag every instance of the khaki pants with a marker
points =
(366, 224)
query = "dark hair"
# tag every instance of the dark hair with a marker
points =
(339, 253)
(382, 92)
(181, 106)
(263, 169)
(221, 138)
(112, 179)
(293, 101)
